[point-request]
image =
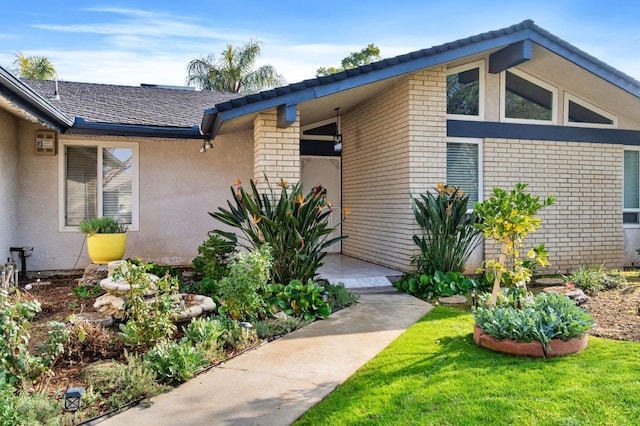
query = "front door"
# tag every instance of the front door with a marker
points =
(325, 172)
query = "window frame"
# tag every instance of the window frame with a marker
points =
(100, 145)
(606, 114)
(630, 210)
(481, 89)
(479, 143)
(537, 82)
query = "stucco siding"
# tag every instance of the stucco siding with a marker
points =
(584, 226)
(178, 187)
(9, 189)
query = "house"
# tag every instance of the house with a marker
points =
(513, 105)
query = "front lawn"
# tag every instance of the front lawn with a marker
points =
(434, 375)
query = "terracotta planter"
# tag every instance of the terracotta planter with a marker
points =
(105, 248)
(532, 349)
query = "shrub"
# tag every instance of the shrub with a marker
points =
(592, 280)
(175, 362)
(448, 237)
(213, 257)
(121, 383)
(205, 334)
(102, 225)
(15, 361)
(300, 300)
(507, 218)
(295, 226)
(152, 321)
(340, 297)
(439, 284)
(88, 342)
(242, 291)
(275, 327)
(541, 318)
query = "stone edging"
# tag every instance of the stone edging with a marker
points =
(531, 349)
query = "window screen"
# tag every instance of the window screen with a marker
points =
(463, 168)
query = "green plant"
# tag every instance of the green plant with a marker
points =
(102, 225)
(439, 284)
(507, 218)
(213, 257)
(448, 236)
(242, 291)
(591, 280)
(15, 360)
(272, 328)
(120, 383)
(152, 321)
(300, 300)
(340, 297)
(87, 292)
(295, 226)
(205, 334)
(541, 318)
(175, 362)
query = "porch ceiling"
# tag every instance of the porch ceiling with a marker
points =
(319, 109)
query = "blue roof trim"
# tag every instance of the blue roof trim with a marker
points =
(411, 62)
(109, 129)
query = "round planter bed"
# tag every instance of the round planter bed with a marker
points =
(531, 349)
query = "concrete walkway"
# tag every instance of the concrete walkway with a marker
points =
(276, 383)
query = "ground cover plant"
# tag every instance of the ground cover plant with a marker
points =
(434, 375)
(592, 280)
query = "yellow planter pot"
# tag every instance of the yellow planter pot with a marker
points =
(105, 248)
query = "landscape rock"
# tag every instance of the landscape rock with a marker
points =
(453, 300)
(93, 318)
(575, 294)
(110, 304)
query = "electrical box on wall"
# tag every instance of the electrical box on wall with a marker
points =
(45, 142)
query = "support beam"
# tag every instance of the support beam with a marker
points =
(510, 56)
(287, 115)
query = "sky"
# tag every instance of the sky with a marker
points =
(152, 41)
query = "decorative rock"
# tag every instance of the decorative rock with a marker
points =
(110, 304)
(575, 294)
(93, 318)
(453, 300)
(549, 281)
(281, 315)
(194, 305)
(122, 287)
(93, 274)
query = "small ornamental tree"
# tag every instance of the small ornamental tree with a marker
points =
(507, 218)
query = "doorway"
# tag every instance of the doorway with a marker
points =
(325, 172)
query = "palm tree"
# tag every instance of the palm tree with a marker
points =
(233, 71)
(38, 67)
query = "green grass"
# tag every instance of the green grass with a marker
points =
(434, 375)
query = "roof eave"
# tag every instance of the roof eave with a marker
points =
(81, 127)
(30, 101)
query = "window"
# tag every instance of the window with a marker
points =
(578, 112)
(98, 179)
(464, 166)
(525, 98)
(631, 196)
(465, 88)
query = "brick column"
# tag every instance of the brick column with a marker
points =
(276, 151)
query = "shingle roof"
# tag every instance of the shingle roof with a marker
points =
(146, 106)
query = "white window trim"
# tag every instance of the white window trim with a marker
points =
(475, 141)
(135, 214)
(636, 210)
(503, 91)
(571, 97)
(481, 72)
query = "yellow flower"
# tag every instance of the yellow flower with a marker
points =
(238, 181)
(346, 211)
(283, 183)
(256, 219)
(440, 187)
(300, 199)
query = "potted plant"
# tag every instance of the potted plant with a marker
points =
(106, 238)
